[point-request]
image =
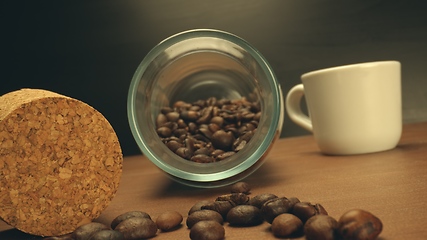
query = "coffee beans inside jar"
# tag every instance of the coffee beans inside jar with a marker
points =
(209, 130)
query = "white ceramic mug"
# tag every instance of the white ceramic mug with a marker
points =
(353, 109)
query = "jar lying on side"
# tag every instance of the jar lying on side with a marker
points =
(198, 65)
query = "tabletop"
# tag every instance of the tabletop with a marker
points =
(391, 184)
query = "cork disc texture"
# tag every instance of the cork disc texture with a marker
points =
(60, 162)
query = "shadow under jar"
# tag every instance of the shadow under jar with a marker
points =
(196, 65)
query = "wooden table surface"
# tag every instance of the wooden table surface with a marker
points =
(391, 184)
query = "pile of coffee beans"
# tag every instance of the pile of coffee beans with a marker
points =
(209, 130)
(127, 226)
(288, 218)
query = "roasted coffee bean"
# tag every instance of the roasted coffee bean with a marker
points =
(214, 127)
(203, 215)
(192, 128)
(206, 115)
(168, 221)
(240, 187)
(137, 228)
(206, 132)
(219, 121)
(181, 104)
(164, 132)
(201, 158)
(107, 235)
(173, 145)
(166, 110)
(184, 152)
(274, 207)
(247, 136)
(172, 116)
(235, 198)
(225, 155)
(203, 151)
(239, 145)
(198, 206)
(359, 224)
(207, 230)
(161, 120)
(293, 201)
(260, 199)
(127, 215)
(216, 153)
(286, 225)
(244, 215)
(321, 227)
(179, 132)
(222, 140)
(305, 210)
(189, 115)
(222, 207)
(85, 232)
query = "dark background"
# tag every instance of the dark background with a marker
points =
(89, 50)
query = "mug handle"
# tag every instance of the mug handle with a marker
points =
(293, 107)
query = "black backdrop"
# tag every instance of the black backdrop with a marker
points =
(89, 50)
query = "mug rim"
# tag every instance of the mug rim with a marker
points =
(349, 67)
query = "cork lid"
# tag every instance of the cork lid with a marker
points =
(60, 162)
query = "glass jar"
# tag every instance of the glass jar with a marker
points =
(195, 65)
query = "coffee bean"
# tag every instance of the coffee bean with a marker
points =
(225, 155)
(179, 132)
(359, 224)
(222, 207)
(207, 230)
(127, 215)
(161, 120)
(239, 144)
(201, 158)
(189, 115)
(184, 152)
(244, 215)
(235, 198)
(108, 234)
(241, 187)
(305, 210)
(173, 145)
(206, 115)
(202, 215)
(293, 201)
(137, 228)
(286, 225)
(168, 221)
(219, 121)
(164, 132)
(214, 127)
(203, 151)
(198, 206)
(85, 232)
(172, 116)
(274, 207)
(260, 199)
(321, 227)
(222, 140)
